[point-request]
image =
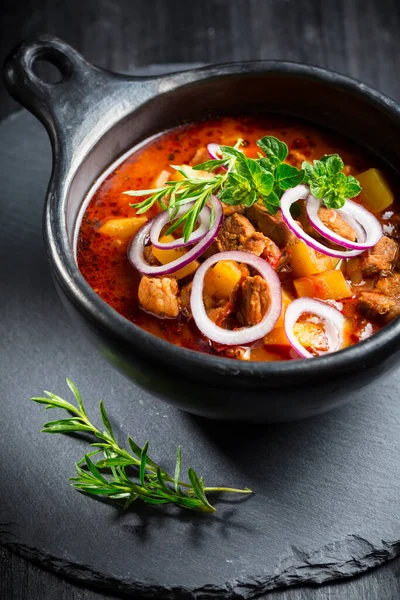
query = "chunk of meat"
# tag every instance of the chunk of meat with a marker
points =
(149, 256)
(273, 226)
(254, 300)
(304, 221)
(390, 286)
(378, 307)
(277, 258)
(220, 313)
(332, 219)
(238, 352)
(381, 258)
(237, 233)
(230, 210)
(159, 296)
(185, 299)
(211, 250)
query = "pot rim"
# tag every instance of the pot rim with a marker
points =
(363, 354)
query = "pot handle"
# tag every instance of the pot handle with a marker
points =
(84, 94)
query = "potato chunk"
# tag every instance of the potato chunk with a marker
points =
(310, 335)
(287, 298)
(307, 261)
(221, 280)
(327, 286)
(376, 194)
(171, 254)
(123, 228)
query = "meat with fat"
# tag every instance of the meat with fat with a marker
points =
(159, 296)
(390, 286)
(332, 219)
(381, 258)
(378, 307)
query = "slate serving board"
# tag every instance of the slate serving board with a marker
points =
(327, 489)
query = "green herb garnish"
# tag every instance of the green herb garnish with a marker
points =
(176, 194)
(327, 182)
(247, 181)
(260, 179)
(108, 477)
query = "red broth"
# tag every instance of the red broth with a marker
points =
(103, 259)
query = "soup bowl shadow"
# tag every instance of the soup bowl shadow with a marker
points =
(93, 117)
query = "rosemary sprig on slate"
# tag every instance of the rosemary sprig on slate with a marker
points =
(108, 476)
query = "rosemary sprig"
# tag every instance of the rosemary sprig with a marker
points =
(108, 478)
(198, 190)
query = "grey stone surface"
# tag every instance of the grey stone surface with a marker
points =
(326, 490)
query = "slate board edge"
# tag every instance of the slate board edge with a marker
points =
(301, 572)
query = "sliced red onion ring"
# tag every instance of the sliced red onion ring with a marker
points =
(246, 335)
(333, 321)
(196, 236)
(135, 250)
(366, 227)
(301, 192)
(214, 151)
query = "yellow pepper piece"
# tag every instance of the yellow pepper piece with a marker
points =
(221, 280)
(376, 194)
(326, 286)
(123, 227)
(307, 261)
(171, 254)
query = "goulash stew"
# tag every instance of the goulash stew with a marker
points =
(251, 238)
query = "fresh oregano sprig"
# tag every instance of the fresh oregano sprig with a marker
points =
(108, 477)
(328, 182)
(260, 179)
(246, 181)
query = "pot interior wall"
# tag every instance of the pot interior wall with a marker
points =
(341, 107)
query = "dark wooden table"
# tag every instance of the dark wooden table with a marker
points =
(358, 37)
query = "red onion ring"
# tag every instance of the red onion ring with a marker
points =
(135, 250)
(301, 192)
(214, 151)
(332, 318)
(368, 234)
(196, 236)
(246, 335)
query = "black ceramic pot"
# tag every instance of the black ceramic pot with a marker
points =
(93, 117)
